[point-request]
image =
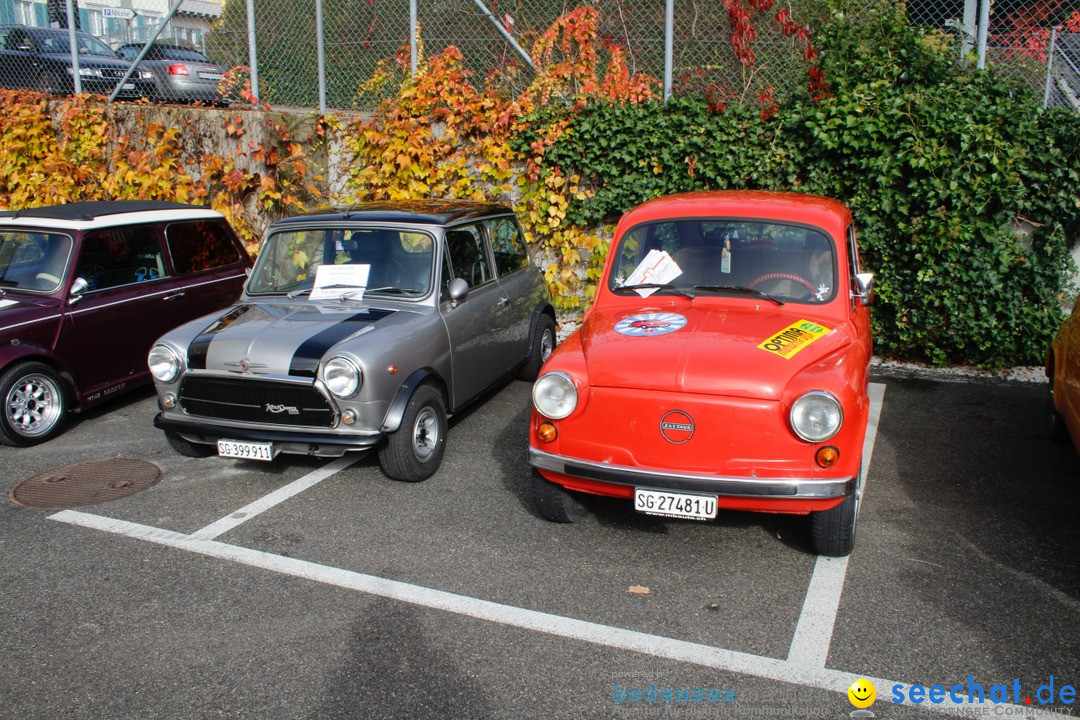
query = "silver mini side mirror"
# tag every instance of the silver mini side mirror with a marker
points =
(458, 290)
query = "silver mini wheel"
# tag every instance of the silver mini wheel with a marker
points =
(34, 404)
(426, 434)
(414, 451)
(541, 346)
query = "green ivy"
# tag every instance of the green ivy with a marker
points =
(936, 161)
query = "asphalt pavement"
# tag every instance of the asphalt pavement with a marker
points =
(308, 588)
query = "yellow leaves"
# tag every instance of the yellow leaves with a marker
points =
(300, 259)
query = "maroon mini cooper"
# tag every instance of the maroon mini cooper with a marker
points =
(86, 288)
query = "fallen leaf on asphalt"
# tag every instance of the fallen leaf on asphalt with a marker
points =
(639, 590)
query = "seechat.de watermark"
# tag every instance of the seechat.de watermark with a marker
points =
(661, 694)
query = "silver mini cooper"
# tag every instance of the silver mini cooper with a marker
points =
(359, 329)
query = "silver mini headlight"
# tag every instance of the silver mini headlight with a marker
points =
(164, 363)
(816, 416)
(342, 377)
(554, 395)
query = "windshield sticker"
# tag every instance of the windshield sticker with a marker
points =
(657, 267)
(7, 303)
(648, 324)
(333, 281)
(793, 338)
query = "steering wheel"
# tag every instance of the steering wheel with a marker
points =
(788, 277)
(50, 279)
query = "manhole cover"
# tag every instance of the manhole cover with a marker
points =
(86, 483)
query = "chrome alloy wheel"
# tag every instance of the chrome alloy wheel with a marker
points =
(34, 405)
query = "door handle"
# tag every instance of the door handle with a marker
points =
(174, 296)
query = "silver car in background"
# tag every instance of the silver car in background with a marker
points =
(360, 329)
(180, 74)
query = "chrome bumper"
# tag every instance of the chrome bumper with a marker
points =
(797, 488)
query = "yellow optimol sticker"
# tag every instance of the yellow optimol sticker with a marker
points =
(793, 338)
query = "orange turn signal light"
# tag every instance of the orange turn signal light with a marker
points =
(827, 456)
(547, 432)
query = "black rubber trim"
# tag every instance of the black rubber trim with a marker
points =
(211, 433)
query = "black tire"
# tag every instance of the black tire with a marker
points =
(555, 503)
(1055, 424)
(833, 530)
(415, 450)
(49, 84)
(35, 404)
(188, 448)
(541, 345)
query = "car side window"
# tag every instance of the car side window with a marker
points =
(120, 256)
(199, 245)
(508, 245)
(465, 246)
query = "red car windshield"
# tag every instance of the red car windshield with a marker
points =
(793, 263)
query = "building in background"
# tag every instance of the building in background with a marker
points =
(121, 21)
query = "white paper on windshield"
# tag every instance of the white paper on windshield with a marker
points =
(331, 281)
(7, 303)
(657, 267)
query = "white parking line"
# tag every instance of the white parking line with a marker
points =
(280, 495)
(813, 633)
(804, 666)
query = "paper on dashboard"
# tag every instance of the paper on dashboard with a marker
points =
(656, 267)
(333, 280)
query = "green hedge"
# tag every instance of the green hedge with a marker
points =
(934, 159)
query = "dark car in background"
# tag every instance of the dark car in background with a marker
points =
(180, 74)
(40, 59)
(86, 288)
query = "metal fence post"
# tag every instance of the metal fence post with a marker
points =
(1050, 67)
(984, 26)
(505, 33)
(669, 45)
(320, 50)
(412, 39)
(74, 42)
(253, 60)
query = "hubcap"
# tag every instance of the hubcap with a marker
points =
(547, 344)
(33, 405)
(425, 434)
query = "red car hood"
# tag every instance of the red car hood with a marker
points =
(718, 351)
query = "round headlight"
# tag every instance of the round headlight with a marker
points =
(554, 395)
(816, 416)
(164, 363)
(342, 377)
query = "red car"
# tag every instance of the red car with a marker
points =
(724, 365)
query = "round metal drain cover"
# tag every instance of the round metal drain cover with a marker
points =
(86, 483)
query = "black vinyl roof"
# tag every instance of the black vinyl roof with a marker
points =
(425, 212)
(95, 209)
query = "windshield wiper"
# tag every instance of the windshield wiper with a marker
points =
(740, 289)
(394, 290)
(298, 293)
(657, 286)
(387, 290)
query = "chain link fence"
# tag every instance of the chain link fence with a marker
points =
(360, 36)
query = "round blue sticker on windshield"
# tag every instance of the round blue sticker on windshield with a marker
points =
(648, 324)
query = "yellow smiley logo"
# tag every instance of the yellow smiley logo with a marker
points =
(862, 693)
